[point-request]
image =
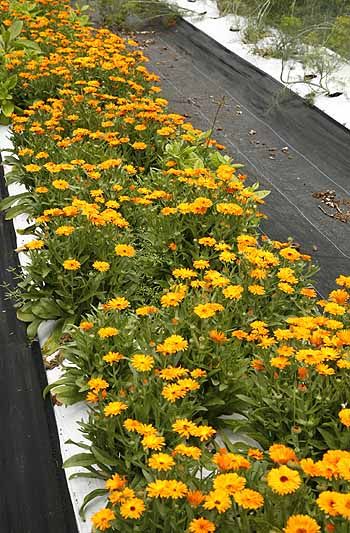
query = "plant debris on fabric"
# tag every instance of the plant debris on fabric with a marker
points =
(217, 383)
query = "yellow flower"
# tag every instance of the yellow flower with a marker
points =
(85, 325)
(203, 432)
(132, 508)
(231, 482)
(281, 454)
(207, 310)
(71, 264)
(227, 208)
(326, 502)
(161, 461)
(233, 292)
(344, 415)
(257, 290)
(201, 525)
(41, 190)
(342, 505)
(142, 363)
(116, 304)
(35, 245)
(146, 310)
(188, 451)
(166, 488)
(153, 442)
(184, 427)
(101, 266)
(139, 145)
(104, 333)
(217, 499)
(125, 250)
(283, 480)
(173, 344)
(114, 408)
(102, 519)
(61, 185)
(200, 264)
(249, 499)
(97, 384)
(65, 230)
(184, 273)
(300, 522)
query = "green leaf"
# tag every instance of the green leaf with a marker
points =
(88, 498)
(7, 107)
(103, 457)
(32, 329)
(25, 317)
(10, 200)
(80, 459)
(15, 211)
(46, 309)
(15, 29)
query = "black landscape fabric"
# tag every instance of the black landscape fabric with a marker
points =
(34, 496)
(292, 149)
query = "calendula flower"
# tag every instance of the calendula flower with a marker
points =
(173, 344)
(283, 480)
(342, 505)
(231, 482)
(249, 499)
(161, 462)
(114, 408)
(125, 250)
(41, 189)
(187, 451)
(113, 357)
(97, 384)
(116, 482)
(173, 392)
(116, 304)
(207, 310)
(281, 454)
(195, 497)
(61, 185)
(326, 502)
(102, 519)
(36, 244)
(132, 508)
(255, 453)
(65, 230)
(200, 264)
(344, 415)
(153, 442)
(146, 310)
(101, 266)
(142, 363)
(201, 525)
(233, 292)
(203, 432)
(184, 427)
(139, 145)
(85, 325)
(71, 264)
(217, 499)
(300, 522)
(104, 333)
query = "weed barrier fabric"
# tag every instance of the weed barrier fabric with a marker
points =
(33, 491)
(292, 149)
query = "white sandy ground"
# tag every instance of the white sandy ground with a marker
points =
(218, 27)
(67, 418)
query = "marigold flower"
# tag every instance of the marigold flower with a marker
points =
(142, 363)
(116, 304)
(344, 415)
(283, 480)
(217, 499)
(102, 519)
(281, 454)
(36, 244)
(65, 230)
(85, 325)
(195, 497)
(132, 508)
(231, 482)
(125, 250)
(167, 488)
(61, 185)
(326, 502)
(114, 408)
(173, 344)
(146, 310)
(71, 264)
(255, 453)
(139, 145)
(116, 482)
(184, 427)
(342, 505)
(153, 442)
(233, 292)
(101, 266)
(249, 499)
(188, 451)
(207, 310)
(299, 522)
(104, 333)
(201, 525)
(161, 462)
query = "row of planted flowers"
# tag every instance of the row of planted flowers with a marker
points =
(216, 383)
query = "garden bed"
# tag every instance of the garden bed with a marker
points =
(171, 312)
